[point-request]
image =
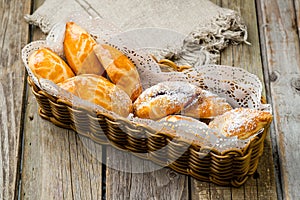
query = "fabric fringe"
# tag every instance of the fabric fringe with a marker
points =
(204, 44)
(43, 23)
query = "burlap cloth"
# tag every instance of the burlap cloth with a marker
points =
(208, 27)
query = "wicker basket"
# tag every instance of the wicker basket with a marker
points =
(229, 168)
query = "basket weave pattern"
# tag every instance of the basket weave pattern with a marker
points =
(232, 167)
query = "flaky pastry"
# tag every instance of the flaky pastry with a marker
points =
(164, 98)
(120, 70)
(79, 50)
(241, 122)
(99, 90)
(44, 63)
(206, 106)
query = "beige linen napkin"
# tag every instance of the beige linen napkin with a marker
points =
(208, 27)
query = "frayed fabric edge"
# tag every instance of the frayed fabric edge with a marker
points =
(40, 21)
(204, 44)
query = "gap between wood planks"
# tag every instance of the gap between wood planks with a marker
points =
(22, 123)
(268, 77)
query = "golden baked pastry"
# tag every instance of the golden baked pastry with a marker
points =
(241, 122)
(99, 90)
(78, 48)
(164, 99)
(44, 63)
(206, 106)
(120, 70)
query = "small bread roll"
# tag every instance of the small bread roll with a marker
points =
(241, 122)
(46, 64)
(206, 106)
(78, 48)
(99, 90)
(164, 99)
(120, 70)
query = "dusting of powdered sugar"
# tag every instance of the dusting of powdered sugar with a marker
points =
(176, 92)
(243, 120)
(121, 102)
(239, 120)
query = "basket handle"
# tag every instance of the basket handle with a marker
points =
(168, 64)
(171, 64)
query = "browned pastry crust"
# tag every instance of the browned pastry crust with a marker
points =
(79, 50)
(164, 99)
(120, 70)
(44, 63)
(206, 106)
(99, 90)
(241, 122)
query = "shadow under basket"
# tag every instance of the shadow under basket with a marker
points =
(229, 168)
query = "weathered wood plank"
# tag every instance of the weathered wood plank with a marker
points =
(13, 34)
(280, 39)
(125, 179)
(297, 10)
(241, 56)
(57, 163)
(200, 190)
(247, 57)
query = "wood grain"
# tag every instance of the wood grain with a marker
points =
(57, 163)
(262, 185)
(280, 36)
(247, 57)
(13, 35)
(126, 179)
(297, 10)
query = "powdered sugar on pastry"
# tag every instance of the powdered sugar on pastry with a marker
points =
(206, 105)
(165, 98)
(241, 122)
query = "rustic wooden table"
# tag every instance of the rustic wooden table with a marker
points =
(41, 161)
